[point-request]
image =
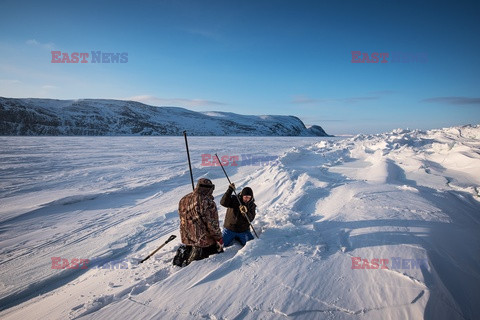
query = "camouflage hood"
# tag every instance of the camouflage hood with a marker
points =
(204, 187)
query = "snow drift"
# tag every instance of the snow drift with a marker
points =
(376, 226)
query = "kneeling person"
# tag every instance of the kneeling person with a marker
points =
(236, 226)
(199, 227)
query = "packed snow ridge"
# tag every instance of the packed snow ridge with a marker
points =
(95, 117)
(372, 227)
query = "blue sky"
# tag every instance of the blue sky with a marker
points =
(255, 57)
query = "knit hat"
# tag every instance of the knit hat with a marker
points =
(247, 191)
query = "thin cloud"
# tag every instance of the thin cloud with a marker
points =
(179, 102)
(453, 100)
(35, 43)
(207, 34)
(32, 42)
(319, 119)
(49, 87)
(382, 92)
(9, 81)
(303, 100)
(310, 101)
(359, 99)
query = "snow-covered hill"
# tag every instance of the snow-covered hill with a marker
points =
(372, 227)
(115, 117)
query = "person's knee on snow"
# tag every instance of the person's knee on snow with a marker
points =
(245, 237)
(228, 237)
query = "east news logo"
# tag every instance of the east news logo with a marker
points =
(95, 57)
(386, 57)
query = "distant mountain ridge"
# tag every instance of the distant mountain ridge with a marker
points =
(100, 117)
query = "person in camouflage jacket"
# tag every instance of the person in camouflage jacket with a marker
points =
(199, 226)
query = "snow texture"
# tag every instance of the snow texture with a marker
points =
(329, 211)
(95, 117)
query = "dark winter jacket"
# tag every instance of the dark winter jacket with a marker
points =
(199, 216)
(234, 219)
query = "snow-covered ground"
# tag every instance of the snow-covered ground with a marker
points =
(373, 227)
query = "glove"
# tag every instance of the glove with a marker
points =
(231, 186)
(243, 209)
(220, 245)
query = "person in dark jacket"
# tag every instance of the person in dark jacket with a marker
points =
(236, 226)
